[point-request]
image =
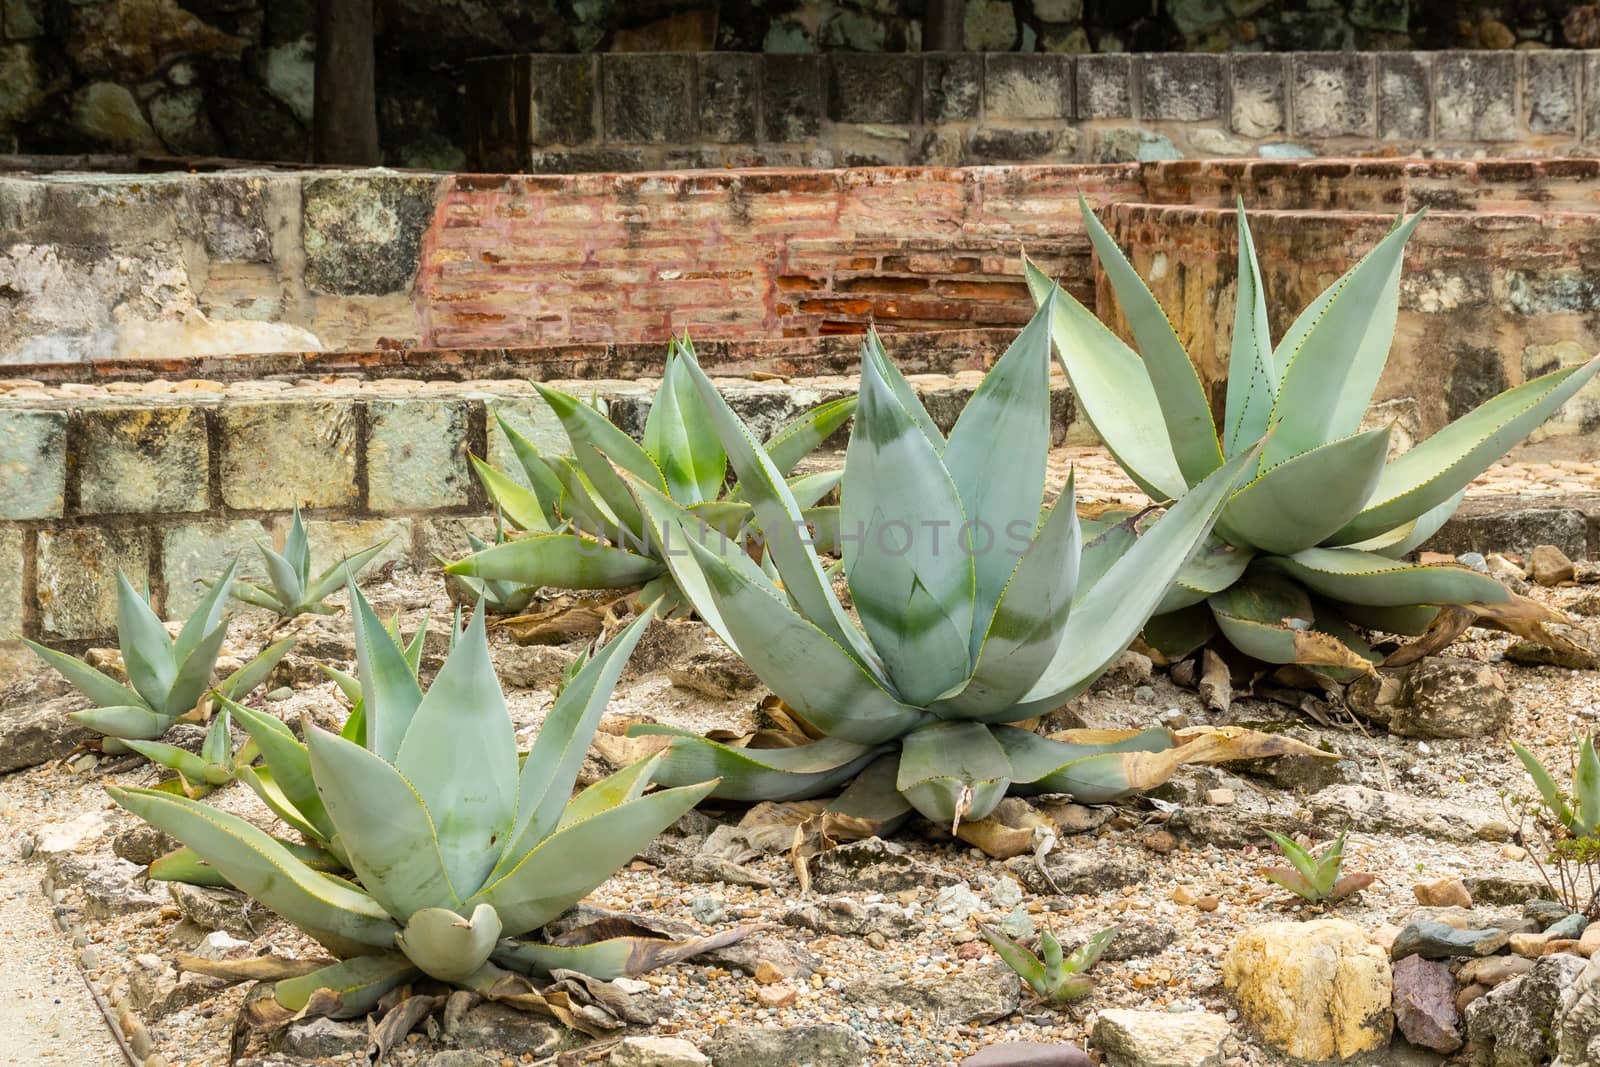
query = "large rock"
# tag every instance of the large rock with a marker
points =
(1435, 940)
(1377, 811)
(1314, 990)
(1577, 1026)
(1070, 870)
(1425, 1004)
(109, 887)
(1161, 1038)
(219, 909)
(822, 1045)
(1513, 1025)
(874, 866)
(841, 915)
(1028, 1054)
(1441, 696)
(656, 1052)
(506, 1030)
(983, 996)
(38, 733)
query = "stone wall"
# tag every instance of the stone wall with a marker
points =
(561, 114)
(204, 78)
(166, 477)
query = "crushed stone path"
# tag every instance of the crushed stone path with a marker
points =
(47, 1015)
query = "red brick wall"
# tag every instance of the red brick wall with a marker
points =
(635, 257)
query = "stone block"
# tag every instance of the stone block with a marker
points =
(417, 454)
(884, 88)
(1474, 96)
(498, 112)
(1579, 415)
(448, 537)
(791, 95)
(232, 210)
(1105, 87)
(33, 464)
(729, 90)
(77, 578)
(1332, 94)
(1259, 99)
(277, 453)
(363, 232)
(1180, 88)
(1591, 97)
(1002, 144)
(1550, 91)
(333, 540)
(952, 86)
(141, 459)
(562, 91)
(1405, 96)
(531, 417)
(647, 97)
(198, 550)
(1027, 85)
(12, 591)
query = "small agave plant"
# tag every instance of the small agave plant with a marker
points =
(958, 638)
(584, 529)
(497, 597)
(291, 589)
(1318, 879)
(457, 852)
(168, 677)
(1054, 977)
(1568, 822)
(1312, 545)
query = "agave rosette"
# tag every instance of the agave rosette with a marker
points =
(291, 588)
(456, 851)
(957, 639)
(168, 677)
(583, 528)
(1312, 548)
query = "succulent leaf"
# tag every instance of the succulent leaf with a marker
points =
(1306, 498)
(1252, 378)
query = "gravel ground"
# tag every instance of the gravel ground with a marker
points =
(1182, 891)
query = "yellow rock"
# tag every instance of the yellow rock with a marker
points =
(1313, 990)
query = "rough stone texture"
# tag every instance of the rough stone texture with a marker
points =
(1160, 1038)
(656, 1052)
(648, 98)
(33, 464)
(791, 97)
(878, 89)
(140, 459)
(873, 866)
(563, 99)
(332, 541)
(1425, 1004)
(34, 733)
(1550, 93)
(952, 87)
(277, 454)
(417, 454)
(1105, 87)
(1512, 1024)
(323, 1038)
(200, 550)
(1332, 94)
(13, 589)
(1027, 1054)
(822, 1045)
(1446, 696)
(729, 93)
(1405, 97)
(363, 235)
(1182, 88)
(505, 1030)
(77, 577)
(1315, 990)
(1577, 1022)
(1026, 86)
(1475, 94)
(972, 997)
(1359, 805)
(1259, 95)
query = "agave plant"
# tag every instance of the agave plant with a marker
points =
(168, 677)
(1053, 976)
(1569, 824)
(958, 638)
(1312, 546)
(200, 772)
(292, 590)
(1316, 879)
(457, 852)
(498, 597)
(584, 529)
